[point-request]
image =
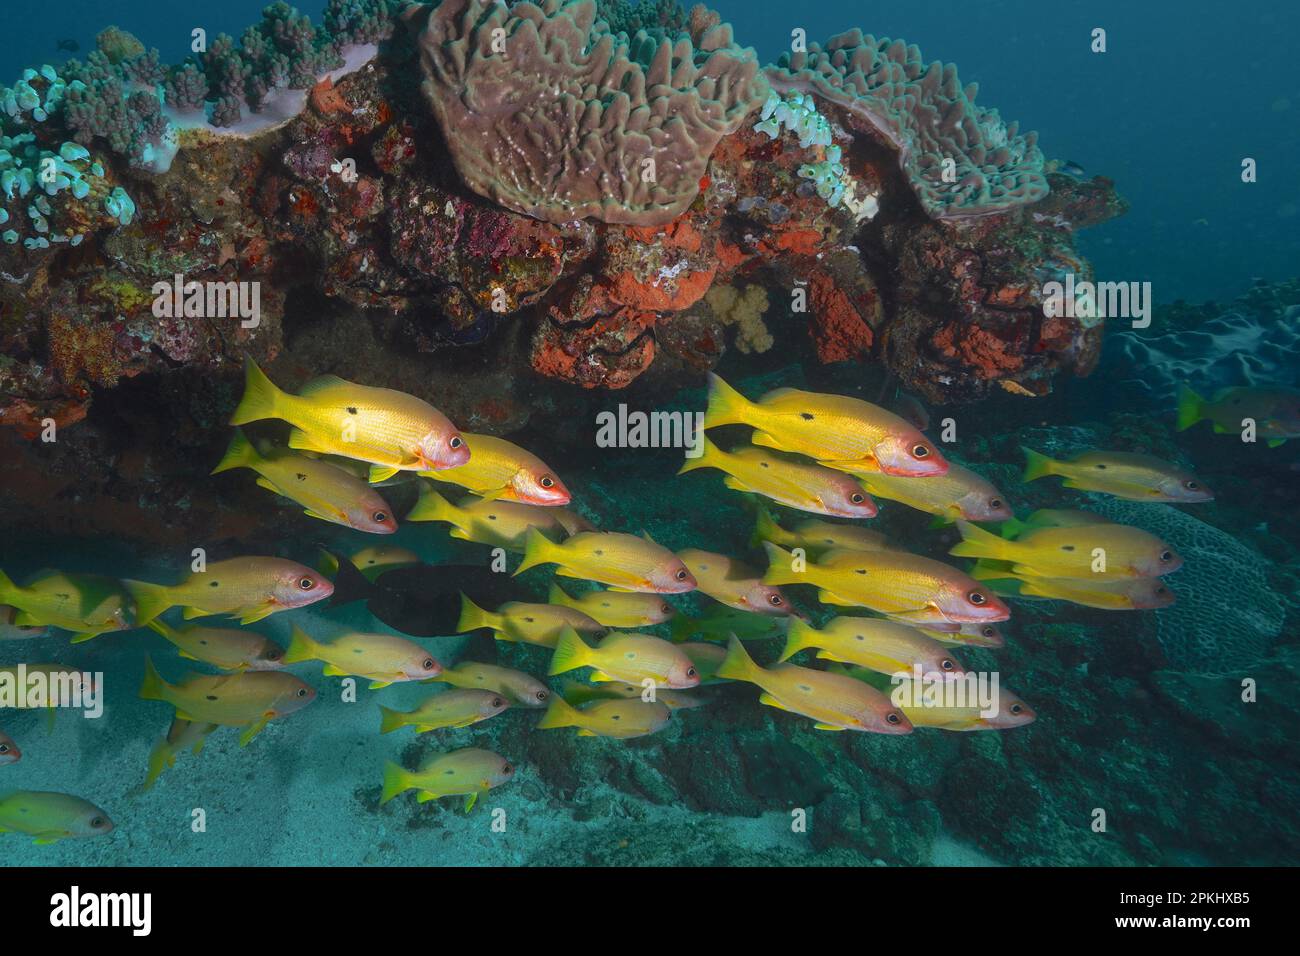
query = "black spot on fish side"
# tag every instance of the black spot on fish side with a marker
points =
(492, 517)
(763, 464)
(616, 717)
(806, 416)
(300, 476)
(1067, 547)
(211, 697)
(352, 410)
(214, 584)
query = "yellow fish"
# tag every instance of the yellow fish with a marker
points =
(877, 645)
(815, 535)
(621, 719)
(798, 484)
(1121, 474)
(249, 700)
(524, 689)
(622, 609)
(1094, 552)
(451, 708)
(968, 635)
(51, 817)
(733, 583)
(632, 658)
(622, 561)
(905, 586)
(538, 624)
(834, 702)
(9, 631)
(1116, 594)
(827, 428)
(1275, 411)
(460, 773)
(958, 494)
(391, 430)
(373, 561)
(9, 750)
(502, 524)
(1050, 518)
(226, 648)
(501, 469)
(245, 588)
(326, 491)
(181, 735)
(571, 521)
(383, 659)
(88, 605)
(719, 622)
(1011, 711)
(580, 695)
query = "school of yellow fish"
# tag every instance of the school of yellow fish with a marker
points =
(824, 456)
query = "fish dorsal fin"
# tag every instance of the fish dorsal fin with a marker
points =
(321, 383)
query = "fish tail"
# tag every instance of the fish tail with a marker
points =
(151, 600)
(153, 687)
(396, 780)
(261, 397)
(557, 595)
(327, 565)
(737, 665)
(709, 457)
(160, 758)
(390, 720)
(1012, 528)
(1190, 407)
(1037, 465)
(537, 550)
(570, 653)
(240, 454)
(301, 647)
(977, 543)
(472, 617)
(7, 587)
(168, 633)
(349, 583)
(431, 506)
(726, 405)
(765, 528)
(559, 713)
(798, 636)
(780, 566)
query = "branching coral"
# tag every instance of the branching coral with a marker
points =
(961, 159)
(549, 113)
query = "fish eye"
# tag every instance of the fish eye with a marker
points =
(455, 441)
(96, 823)
(976, 597)
(4, 748)
(273, 655)
(306, 584)
(302, 691)
(775, 600)
(429, 664)
(381, 516)
(690, 672)
(921, 451)
(541, 695)
(995, 502)
(1160, 589)
(666, 608)
(498, 702)
(547, 481)
(1016, 709)
(988, 630)
(1191, 485)
(946, 664)
(857, 498)
(893, 718)
(1166, 555)
(507, 769)
(681, 575)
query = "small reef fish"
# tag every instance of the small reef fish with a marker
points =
(391, 430)
(1075, 552)
(623, 719)
(501, 469)
(503, 524)
(622, 561)
(249, 700)
(88, 605)
(734, 583)
(1275, 411)
(9, 631)
(538, 624)
(1050, 518)
(451, 708)
(523, 689)
(374, 561)
(460, 773)
(913, 589)
(968, 635)
(622, 609)
(960, 493)
(1011, 711)
(572, 522)
(816, 536)
(225, 648)
(881, 646)
(181, 735)
(707, 659)
(327, 492)
(631, 658)
(719, 622)
(798, 484)
(249, 589)
(9, 750)
(383, 659)
(1122, 594)
(51, 817)
(827, 428)
(579, 694)
(832, 701)
(1121, 474)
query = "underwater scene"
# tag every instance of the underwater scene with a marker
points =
(628, 433)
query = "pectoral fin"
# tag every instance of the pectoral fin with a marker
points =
(256, 614)
(380, 684)
(253, 730)
(86, 636)
(380, 473)
(770, 701)
(828, 727)
(470, 801)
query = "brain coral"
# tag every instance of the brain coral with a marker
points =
(549, 113)
(928, 117)
(1227, 616)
